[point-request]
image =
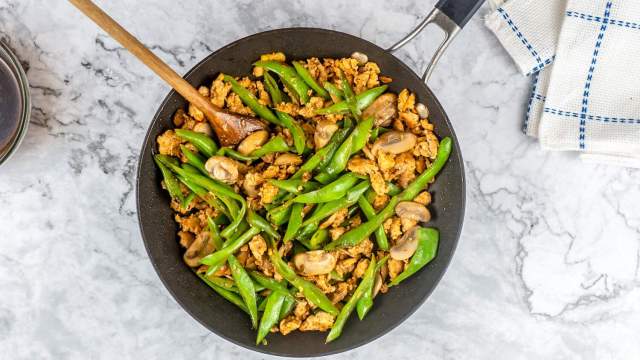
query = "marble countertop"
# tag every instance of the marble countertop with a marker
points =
(548, 263)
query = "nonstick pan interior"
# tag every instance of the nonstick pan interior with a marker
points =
(218, 315)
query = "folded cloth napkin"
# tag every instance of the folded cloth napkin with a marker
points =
(583, 57)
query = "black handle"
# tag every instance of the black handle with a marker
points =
(460, 11)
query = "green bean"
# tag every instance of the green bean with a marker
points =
(306, 231)
(290, 185)
(336, 94)
(338, 162)
(201, 141)
(251, 101)
(271, 314)
(219, 189)
(280, 214)
(361, 134)
(369, 212)
(295, 129)
(295, 221)
(322, 156)
(214, 234)
(347, 309)
(349, 96)
(426, 251)
(224, 283)
(364, 305)
(392, 190)
(272, 88)
(333, 191)
(221, 255)
(187, 200)
(269, 283)
(225, 151)
(356, 235)
(327, 209)
(310, 291)
(194, 159)
(289, 77)
(275, 144)
(287, 307)
(309, 80)
(318, 238)
(364, 99)
(205, 195)
(259, 222)
(374, 134)
(245, 288)
(229, 295)
(170, 182)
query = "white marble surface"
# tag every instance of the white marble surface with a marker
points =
(547, 267)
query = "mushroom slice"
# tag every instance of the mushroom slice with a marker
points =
(394, 142)
(223, 169)
(253, 142)
(377, 285)
(203, 128)
(288, 159)
(324, 131)
(406, 246)
(413, 211)
(316, 262)
(383, 109)
(198, 249)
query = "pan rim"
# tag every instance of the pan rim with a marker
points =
(401, 319)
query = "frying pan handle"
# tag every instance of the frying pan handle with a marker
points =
(450, 16)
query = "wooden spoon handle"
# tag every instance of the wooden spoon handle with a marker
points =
(145, 55)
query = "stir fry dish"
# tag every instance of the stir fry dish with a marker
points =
(308, 221)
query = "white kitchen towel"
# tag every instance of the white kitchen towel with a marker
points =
(589, 100)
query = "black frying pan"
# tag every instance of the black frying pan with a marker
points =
(159, 230)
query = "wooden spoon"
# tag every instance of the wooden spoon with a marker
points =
(230, 128)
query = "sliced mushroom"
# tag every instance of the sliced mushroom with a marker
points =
(412, 210)
(422, 110)
(324, 131)
(253, 142)
(406, 246)
(360, 57)
(287, 159)
(394, 142)
(222, 168)
(377, 285)
(317, 262)
(204, 128)
(383, 109)
(198, 249)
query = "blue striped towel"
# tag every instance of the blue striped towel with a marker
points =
(584, 58)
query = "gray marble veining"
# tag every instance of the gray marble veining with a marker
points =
(547, 267)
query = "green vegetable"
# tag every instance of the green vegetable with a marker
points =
(245, 288)
(290, 185)
(333, 191)
(289, 77)
(364, 99)
(347, 309)
(214, 233)
(271, 314)
(295, 221)
(369, 212)
(201, 141)
(229, 295)
(170, 182)
(310, 291)
(336, 94)
(295, 129)
(338, 162)
(356, 235)
(426, 251)
(251, 101)
(275, 144)
(318, 238)
(220, 256)
(327, 209)
(349, 96)
(194, 159)
(323, 155)
(309, 80)
(365, 303)
(272, 88)
(225, 151)
(259, 222)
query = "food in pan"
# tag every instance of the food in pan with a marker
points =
(305, 223)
